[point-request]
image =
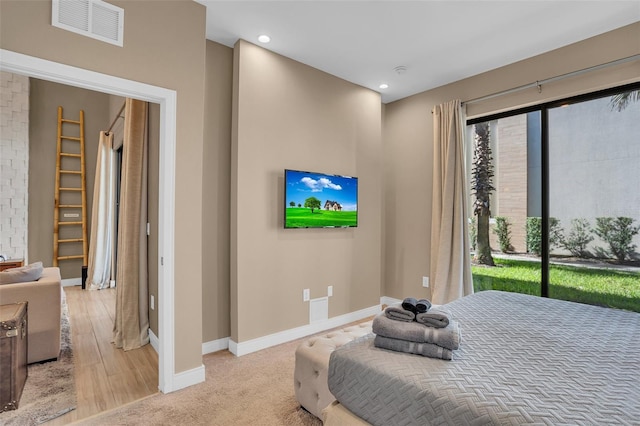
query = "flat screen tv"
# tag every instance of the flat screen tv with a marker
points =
(320, 200)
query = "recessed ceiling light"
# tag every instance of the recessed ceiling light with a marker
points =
(384, 86)
(264, 38)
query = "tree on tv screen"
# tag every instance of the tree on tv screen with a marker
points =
(312, 203)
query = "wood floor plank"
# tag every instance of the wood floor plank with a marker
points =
(127, 386)
(106, 377)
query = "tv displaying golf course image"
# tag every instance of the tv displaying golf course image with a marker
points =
(320, 200)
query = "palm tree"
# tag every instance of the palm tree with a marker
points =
(622, 100)
(482, 185)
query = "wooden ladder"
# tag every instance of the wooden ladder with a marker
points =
(70, 171)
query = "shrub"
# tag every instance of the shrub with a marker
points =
(534, 234)
(504, 233)
(555, 233)
(578, 238)
(617, 233)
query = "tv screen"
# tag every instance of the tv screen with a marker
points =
(319, 200)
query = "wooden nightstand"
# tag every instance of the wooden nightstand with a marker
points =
(11, 263)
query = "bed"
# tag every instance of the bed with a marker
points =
(522, 360)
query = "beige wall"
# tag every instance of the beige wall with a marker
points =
(45, 98)
(408, 138)
(288, 115)
(164, 45)
(216, 177)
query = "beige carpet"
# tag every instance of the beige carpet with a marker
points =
(255, 389)
(50, 389)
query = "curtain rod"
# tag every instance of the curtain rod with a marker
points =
(113, 123)
(539, 83)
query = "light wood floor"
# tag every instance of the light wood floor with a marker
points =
(106, 377)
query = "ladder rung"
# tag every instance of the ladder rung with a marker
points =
(69, 223)
(71, 240)
(66, 120)
(71, 138)
(67, 154)
(73, 172)
(70, 189)
(77, 256)
(70, 206)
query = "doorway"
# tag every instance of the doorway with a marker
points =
(72, 76)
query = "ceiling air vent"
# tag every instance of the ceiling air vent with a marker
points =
(92, 18)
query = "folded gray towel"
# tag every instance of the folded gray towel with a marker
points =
(447, 337)
(409, 303)
(425, 349)
(422, 306)
(434, 317)
(396, 312)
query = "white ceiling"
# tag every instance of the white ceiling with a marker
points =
(437, 41)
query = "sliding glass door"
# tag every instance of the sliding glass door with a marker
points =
(564, 199)
(515, 176)
(594, 200)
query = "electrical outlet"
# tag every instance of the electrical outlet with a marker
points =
(330, 291)
(306, 295)
(425, 281)
(153, 302)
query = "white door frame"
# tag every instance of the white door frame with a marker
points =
(59, 73)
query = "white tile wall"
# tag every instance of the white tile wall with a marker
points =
(14, 164)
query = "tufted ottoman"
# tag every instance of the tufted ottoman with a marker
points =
(312, 365)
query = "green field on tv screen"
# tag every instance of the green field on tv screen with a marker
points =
(300, 217)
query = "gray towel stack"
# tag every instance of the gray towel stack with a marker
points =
(432, 333)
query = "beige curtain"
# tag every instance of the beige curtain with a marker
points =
(132, 314)
(450, 260)
(102, 234)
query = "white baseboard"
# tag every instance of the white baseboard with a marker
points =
(70, 282)
(184, 379)
(244, 348)
(386, 300)
(215, 345)
(154, 341)
(188, 378)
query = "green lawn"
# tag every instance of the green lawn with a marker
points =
(602, 287)
(300, 217)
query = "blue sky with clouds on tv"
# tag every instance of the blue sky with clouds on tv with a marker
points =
(302, 185)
